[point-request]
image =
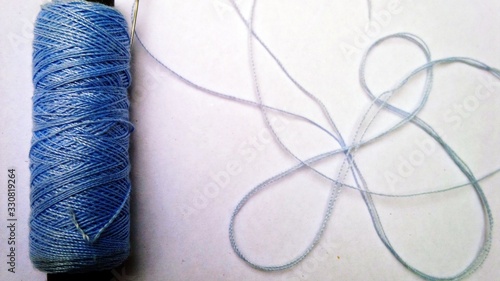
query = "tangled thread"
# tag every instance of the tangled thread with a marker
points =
(379, 102)
(80, 184)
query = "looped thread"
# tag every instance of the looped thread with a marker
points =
(378, 103)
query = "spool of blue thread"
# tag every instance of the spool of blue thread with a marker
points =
(79, 162)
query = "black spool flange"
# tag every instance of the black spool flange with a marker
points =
(110, 3)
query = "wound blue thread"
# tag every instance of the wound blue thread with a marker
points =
(80, 184)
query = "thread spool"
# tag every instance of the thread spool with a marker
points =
(80, 184)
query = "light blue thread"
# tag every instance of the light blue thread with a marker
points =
(378, 103)
(381, 101)
(80, 184)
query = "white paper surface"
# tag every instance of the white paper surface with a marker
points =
(191, 151)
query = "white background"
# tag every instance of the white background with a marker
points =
(186, 141)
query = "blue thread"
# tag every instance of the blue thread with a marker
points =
(378, 103)
(80, 184)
